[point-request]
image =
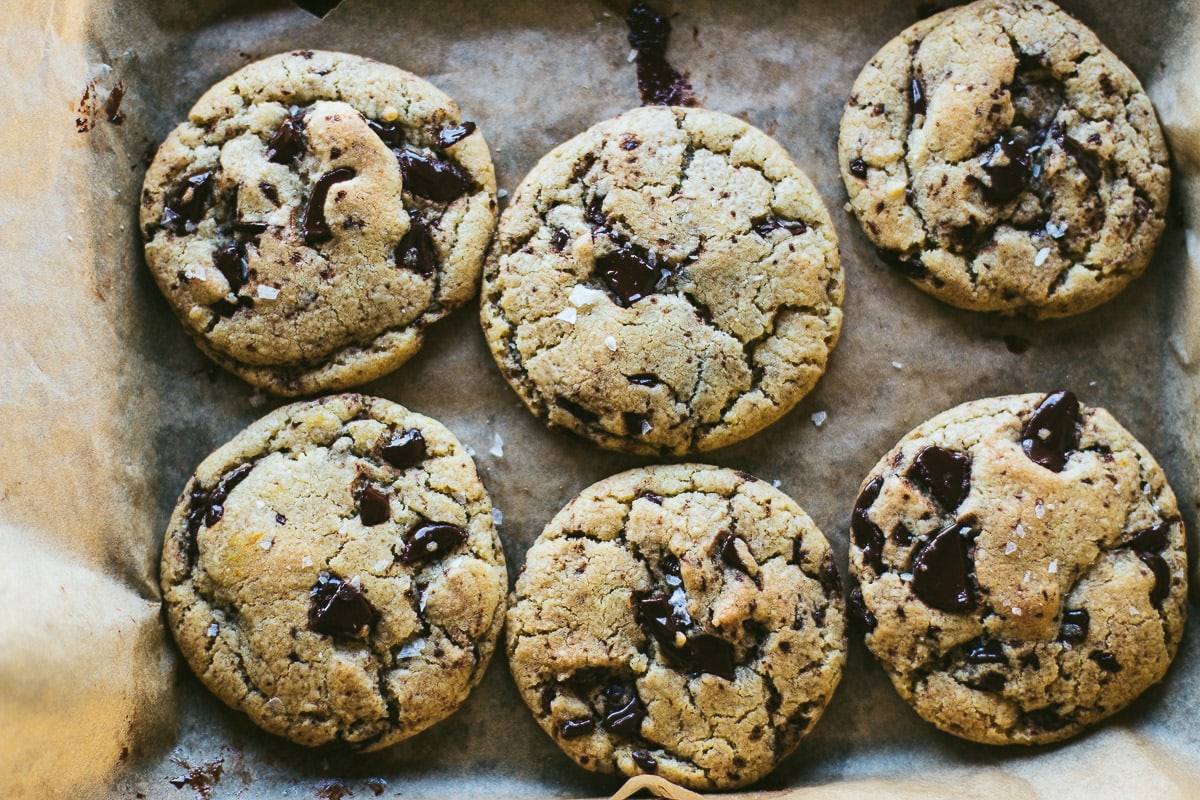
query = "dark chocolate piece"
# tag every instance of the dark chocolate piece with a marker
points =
(944, 473)
(454, 134)
(858, 168)
(699, 653)
(112, 106)
(856, 609)
(916, 96)
(1162, 576)
(374, 508)
(766, 225)
(629, 273)
(231, 261)
(1051, 432)
(287, 143)
(645, 379)
(988, 682)
(866, 535)
(207, 506)
(559, 240)
(582, 414)
(1105, 660)
(416, 250)
(574, 728)
(391, 133)
(623, 711)
(184, 210)
(940, 572)
(644, 761)
(1150, 540)
(431, 177)
(249, 229)
(339, 608)
(431, 541)
(1074, 627)
(405, 449)
(1008, 170)
(986, 652)
(727, 547)
(1088, 164)
(316, 228)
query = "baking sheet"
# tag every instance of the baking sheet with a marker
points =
(107, 407)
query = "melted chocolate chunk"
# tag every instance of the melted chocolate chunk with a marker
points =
(453, 135)
(1150, 540)
(207, 506)
(766, 225)
(339, 608)
(416, 250)
(629, 273)
(1008, 170)
(231, 261)
(431, 177)
(316, 228)
(1088, 164)
(856, 608)
(699, 652)
(916, 96)
(1162, 576)
(1074, 628)
(653, 498)
(911, 267)
(858, 168)
(249, 229)
(287, 143)
(1051, 431)
(829, 578)
(866, 535)
(574, 728)
(708, 653)
(944, 474)
(658, 82)
(1105, 660)
(940, 572)
(986, 652)
(989, 682)
(645, 379)
(405, 449)
(727, 547)
(390, 133)
(645, 762)
(623, 711)
(374, 508)
(431, 541)
(184, 210)
(559, 240)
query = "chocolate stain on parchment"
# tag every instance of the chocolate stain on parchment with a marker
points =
(659, 83)
(201, 779)
(91, 110)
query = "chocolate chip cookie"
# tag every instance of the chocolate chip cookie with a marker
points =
(1005, 160)
(685, 621)
(334, 572)
(1023, 568)
(666, 282)
(313, 215)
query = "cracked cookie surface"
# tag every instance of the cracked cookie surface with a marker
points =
(666, 282)
(1005, 160)
(1023, 568)
(334, 572)
(681, 620)
(315, 213)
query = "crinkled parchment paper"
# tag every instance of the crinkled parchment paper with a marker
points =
(105, 406)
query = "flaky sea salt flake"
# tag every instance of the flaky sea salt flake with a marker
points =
(611, 343)
(497, 516)
(268, 292)
(819, 417)
(582, 296)
(1041, 256)
(1052, 567)
(1010, 548)
(497, 446)
(1016, 611)
(306, 561)
(266, 542)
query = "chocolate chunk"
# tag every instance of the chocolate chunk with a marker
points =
(184, 210)
(858, 168)
(1150, 540)
(944, 474)
(1074, 627)
(829, 578)
(916, 96)
(287, 143)
(657, 616)
(249, 229)
(1051, 431)
(766, 225)
(727, 547)
(416, 250)
(1088, 164)
(217, 497)
(658, 82)
(866, 535)
(1008, 170)
(315, 227)
(911, 267)
(339, 608)
(231, 261)
(985, 652)
(630, 273)
(653, 498)
(404, 450)
(623, 711)
(699, 653)
(940, 572)
(988, 682)
(574, 728)
(454, 134)
(374, 507)
(431, 177)
(856, 609)
(645, 762)
(901, 535)
(431, 541)
(645, 379)
(1105, 660)
(546, 698)
(707, 653)
(1162, 576)
(559, 240)
(269, 191)
(390, 133)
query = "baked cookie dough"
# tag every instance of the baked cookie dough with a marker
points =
(685, 621)
(334, 572)
(1005, 160)
(666, 282)
(1022, 566)
(313, 215)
